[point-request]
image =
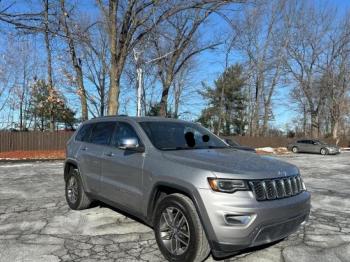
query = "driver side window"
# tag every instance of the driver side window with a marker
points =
(123, 131)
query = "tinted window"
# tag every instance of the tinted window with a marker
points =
(84, 133)
(168, 135)
(123, 130)
(102, 133)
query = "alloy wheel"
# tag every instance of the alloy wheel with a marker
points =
(72, 190)
(174, 231)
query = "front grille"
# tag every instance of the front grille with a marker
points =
(276, 188)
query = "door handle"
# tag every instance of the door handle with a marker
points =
(84, 148)
(110, 154)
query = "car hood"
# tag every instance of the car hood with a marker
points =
(232, 163)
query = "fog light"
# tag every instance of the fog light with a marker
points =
(237, 219)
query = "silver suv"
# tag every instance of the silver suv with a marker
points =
(196, 192)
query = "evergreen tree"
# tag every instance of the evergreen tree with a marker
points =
(227, 99)
(47, 104)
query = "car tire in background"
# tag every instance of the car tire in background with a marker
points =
(178, 230)
(295, 149)
(74, 191)
(324, 151)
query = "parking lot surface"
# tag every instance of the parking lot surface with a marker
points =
(37, 225)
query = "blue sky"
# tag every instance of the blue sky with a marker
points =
(209, 65)
(283, 108)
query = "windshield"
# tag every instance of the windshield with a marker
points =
(169, 135)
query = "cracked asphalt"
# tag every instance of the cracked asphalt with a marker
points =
(37, 225)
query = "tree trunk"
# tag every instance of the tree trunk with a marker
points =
(163, 105)
(314, 123)
(76, 64)
(256, 109)
(102, 96)
(21, 115)
(335, 129)
(49, 60)
(177, 97)
(265, 121)
(113, 96)
(82, 94)
(304, 120)
(220, 115)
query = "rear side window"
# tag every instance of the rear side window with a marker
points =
(84, 133)
(102, 133)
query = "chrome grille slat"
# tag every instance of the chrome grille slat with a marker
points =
(298, 183)
(288, 186)
(294, 185)
(280, 188)
(269, 189)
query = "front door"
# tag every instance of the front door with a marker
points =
(91, 153)
(121, 179)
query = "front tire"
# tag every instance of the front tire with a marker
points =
(75, 195)
(324, 151)
(178, 230)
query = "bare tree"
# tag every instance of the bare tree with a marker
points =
(49, 57)
(177, 43)
(95, 49)
(76, 61)
(129, 21)
(262, 39)
(311, 28)
(336, 74)
(20, 73)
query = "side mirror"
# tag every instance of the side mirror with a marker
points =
(131, 144)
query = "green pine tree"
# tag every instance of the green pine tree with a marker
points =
(233, 107)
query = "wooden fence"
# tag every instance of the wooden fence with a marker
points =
(24, 141)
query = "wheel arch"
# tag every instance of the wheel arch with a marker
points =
(162, 189)
(69, 163)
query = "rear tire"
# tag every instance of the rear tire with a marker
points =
(324, 151)
(178, 230)
(295, 150)
(75, 195)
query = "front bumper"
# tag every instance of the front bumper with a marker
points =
(333, 151)
(270, 220)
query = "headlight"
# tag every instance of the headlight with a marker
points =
(227, 185)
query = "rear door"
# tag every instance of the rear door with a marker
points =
(122, 170)
(302, 146)
(91, 152)
(310, 146)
